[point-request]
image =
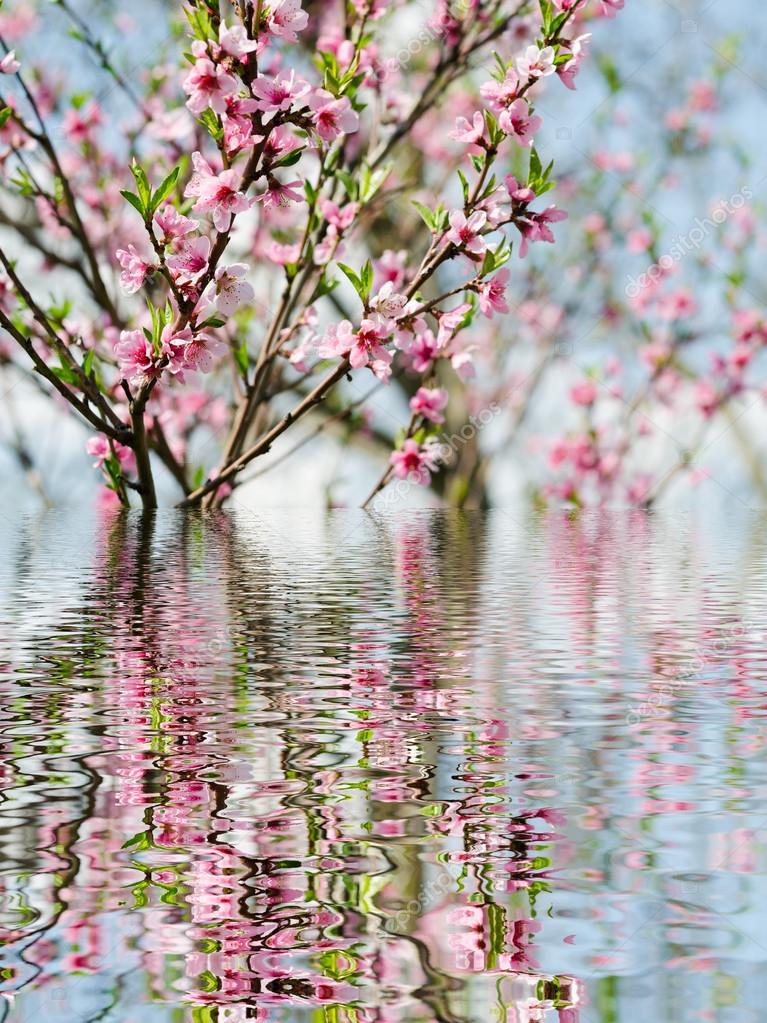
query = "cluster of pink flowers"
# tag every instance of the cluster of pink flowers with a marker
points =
(257, 167)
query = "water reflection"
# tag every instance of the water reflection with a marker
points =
(405, 770)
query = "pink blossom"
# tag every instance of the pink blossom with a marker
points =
(333, 117)
(238, 135)
(235, 42)
(463, 363)
(423, 351)
(208, 85)
(387, 303)
(535, 63)
(278, 144)
(470, 132)
(465, 231)
(639, 240)
(611, 7)
(535, 227)
(339, 217)
(9, 65)
(584, 393)
(281, 194)
(707, 398)
(280, 93)
(750, 325)
(568, 71)
(99, 447)
(450, 323)
(173, 348)
(365, 347)
(201, 352)
(429, 403)
(283, 254)
(231, 291)
(190, 262)
(517, 122)
(414, 463)
(499, 95)
(135, 269)
(172, 224)
(518, 193)
(287, 18)
(677, 304)
(391, 267)
(492, 294)
(135, 357)
(79, 124)
(216, 193)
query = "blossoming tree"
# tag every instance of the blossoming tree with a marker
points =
(254, 275)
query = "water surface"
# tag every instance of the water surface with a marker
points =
(408, 768)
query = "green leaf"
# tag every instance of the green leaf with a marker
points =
(142, 183)
(372, 180)
(208, 981)
(464, 186)
(367, 279)
(546, 12)
(353, 277)
(65, 374)
(134, 200)
(290, 159)
(165, 188)
(349, 184)
(241, 358)
(140, 841)
(324, 287)
(426, 215)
